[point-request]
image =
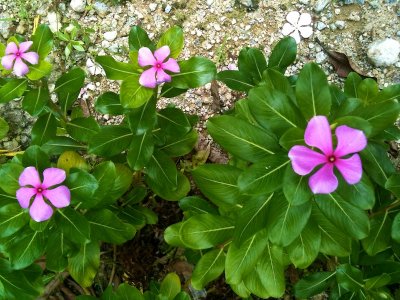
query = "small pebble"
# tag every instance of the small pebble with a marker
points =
(320, 5)
(110, 35)
(153, 6)
(340, 24)
(78, 5)
(168, 9)
(320, 57)
(321, 25)
(384, 52)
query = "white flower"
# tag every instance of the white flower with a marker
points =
(298, 25)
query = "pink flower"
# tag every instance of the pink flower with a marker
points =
(31, 185)
(156, 74)
(318, 134)
(19, 54)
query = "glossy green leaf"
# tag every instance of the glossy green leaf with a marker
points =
(138, 38)
(180, 146)
(283, 54)
(235, 80)
(74, 226)
(349, 277)
(252, 62)
(9, 174)
(35, 100)
(170, 286)
(161, 168)
(197, 205)
(361, 194)
(377, 281)
(218, 183)
(12, 219)
(292, 137)
(295, 187)
(121, 185)
(67, 99)
(56, 259)
(12, 89)
(167, 191)
(378, 239)
(351, 85)
(143, 118)
(393, 184)
(110, 140)
(313, 284)
(133, 94)
(209, 267)
(168, 91)
(108, 103)
(367, 90)
(241, 260)
(70, 82)
(82, 129)
(42, 69)
(128, 292)
(389, 93)
(3, 128)
(194, 72)
(205, 231)
(172, 235)
(83, 266)
(173, 38)
(44, 129)
(42, 41)
(71, 159)
(395, 230)
(82, 186)
(275, 80)
(173, 121)
(105, 174)
(241, 290)
(355, 122)
(107, 227)
(36, 157)
(140, 151)
(59, 144)
(312, 91)
(116, 70)
(264, 176)
(242, 139)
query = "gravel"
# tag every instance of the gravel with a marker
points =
(384, 52)
(78, 5)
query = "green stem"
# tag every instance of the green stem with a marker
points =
(386, 209)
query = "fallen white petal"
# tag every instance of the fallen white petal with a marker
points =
(306, 31)
(305, 19)
(296, 36)
(293, 17)
(287, 29)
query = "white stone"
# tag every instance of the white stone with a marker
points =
(210, 2)
(100, 8)
(320, 5)
(78, 5)
(217, 27)
(54, 21)
(94, 68)
(340, 24)
(320, 57)
(321, 25)
(153, 6)
(110, 35)
(384, 52)
(168, 9)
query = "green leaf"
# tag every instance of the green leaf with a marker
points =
(140, 151)
(209, 267)
(168, 91)
(219, 183)
(82, 186)
(273, 110)
(14, 88)
(205, 231)
(355, 122)
(173, 121)
(105, 174)
(3, 128)
(35, 100)
(42, 69)
(83, 129)
(108, 103)
(116, 70)
(9, 174)
(361, 194)
(377, 281)
(197, 205)
(66, 100)
(56, 259)
(378, 239)
(283, 54)
(312, 91)
(252, 217)
(143, 119)
(313, 284)
(172, 235)
(73, 225)
(292, 137)
(274, 80)
(28, 246)
(304, 249)
(349, 277)
(107, 227)
(12, 219)
(367, 90)
(133, 94)
(347, 217)
(170, 286)
(138, 38)
(42, 40)
(162, 169)
(128, 292)
(252, 62)
(70, 82)
(122, 183)
(241, 260)
(173, 38)
(180, 146)
(242, 139)
(83, 266)
(264, 176)
(36, 157)
(235, 80)
(393, 184)
(395, 232)
(194, 72)
(295, 187)
(44, 129)
(60, 144)
(389, 93)
(110, 140)
(351, 85)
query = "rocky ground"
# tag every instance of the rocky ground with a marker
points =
(216, 29)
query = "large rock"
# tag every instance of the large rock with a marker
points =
(384, 53)
(5, 24)
(78, 5)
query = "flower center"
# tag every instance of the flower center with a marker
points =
(331, 159)
(18, 54)
(158, 65)
(39, 190)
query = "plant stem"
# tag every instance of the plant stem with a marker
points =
(386, 209)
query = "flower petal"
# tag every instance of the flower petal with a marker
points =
(324, 180)
(40, 210)
(145, 57)
(296, 35)
(287, 29)
(53, 176)
(20, 68)
(306, 31)
(59, 197)
(305, 19)
(162, 53)
(318, 134)
(350, 168)
(350, 140)
(293, 17)
(29, 176)
(8, 61)
(24, 196)
(11, 48)
(162, 77)
(171, 65)
(148, 78)
(304, 160)
(24, 46)
(31, 57)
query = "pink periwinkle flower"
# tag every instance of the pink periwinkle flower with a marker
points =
(15, 56)
(156, 73)
(32, 186)
(318, 134)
